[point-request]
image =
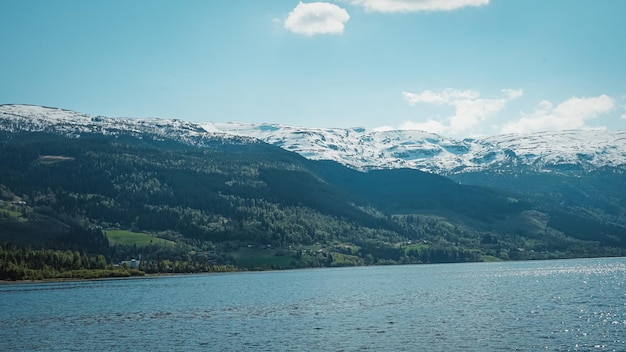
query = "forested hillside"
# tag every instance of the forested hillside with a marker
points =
(232, 204)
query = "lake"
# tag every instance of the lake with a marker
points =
(561, 305)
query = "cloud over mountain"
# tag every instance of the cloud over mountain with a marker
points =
(470, 109)
(570, 114)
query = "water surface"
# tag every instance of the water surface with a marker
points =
(566, 305)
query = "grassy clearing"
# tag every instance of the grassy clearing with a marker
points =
(340, 259)
(490, 258)
(260, 258)
(415, 246)
(51, 159)
(124, 237)
(11, 215)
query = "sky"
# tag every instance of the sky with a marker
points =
(460, 68)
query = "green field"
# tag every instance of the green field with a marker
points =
(416, 246)
(490, 258)
(340, 259)
(11, 215)
(124, 237)
(257, 258)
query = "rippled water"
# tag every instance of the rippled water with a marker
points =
(571, 305)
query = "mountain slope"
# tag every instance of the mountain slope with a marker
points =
(67, 178)
(576, 176)
(221, 197)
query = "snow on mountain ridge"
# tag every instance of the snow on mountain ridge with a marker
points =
(34, 118)
(581, 150)
(40, 118)
(563, 151)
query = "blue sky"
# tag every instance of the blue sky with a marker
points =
(457, 67)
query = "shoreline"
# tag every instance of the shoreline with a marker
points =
(158, 275)
(132, 277)
(53, 280)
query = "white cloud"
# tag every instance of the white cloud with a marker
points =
(470, 109)
(383, 128)
(428, 126)
(439, 98)
(544, 104)
(470, 113)
(570, 114)
(416, 5)
(623, 116)
(513, 93)
(316, 18)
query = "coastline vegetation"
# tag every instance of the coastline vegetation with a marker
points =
(39, 264)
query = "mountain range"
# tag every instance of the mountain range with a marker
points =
(561, 151)
(574, 150)
(290, 197)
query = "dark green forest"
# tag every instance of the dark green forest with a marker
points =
(74, 206)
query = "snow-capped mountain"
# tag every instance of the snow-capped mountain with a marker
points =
(33, 118)
(575, 150)
(564, 151)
